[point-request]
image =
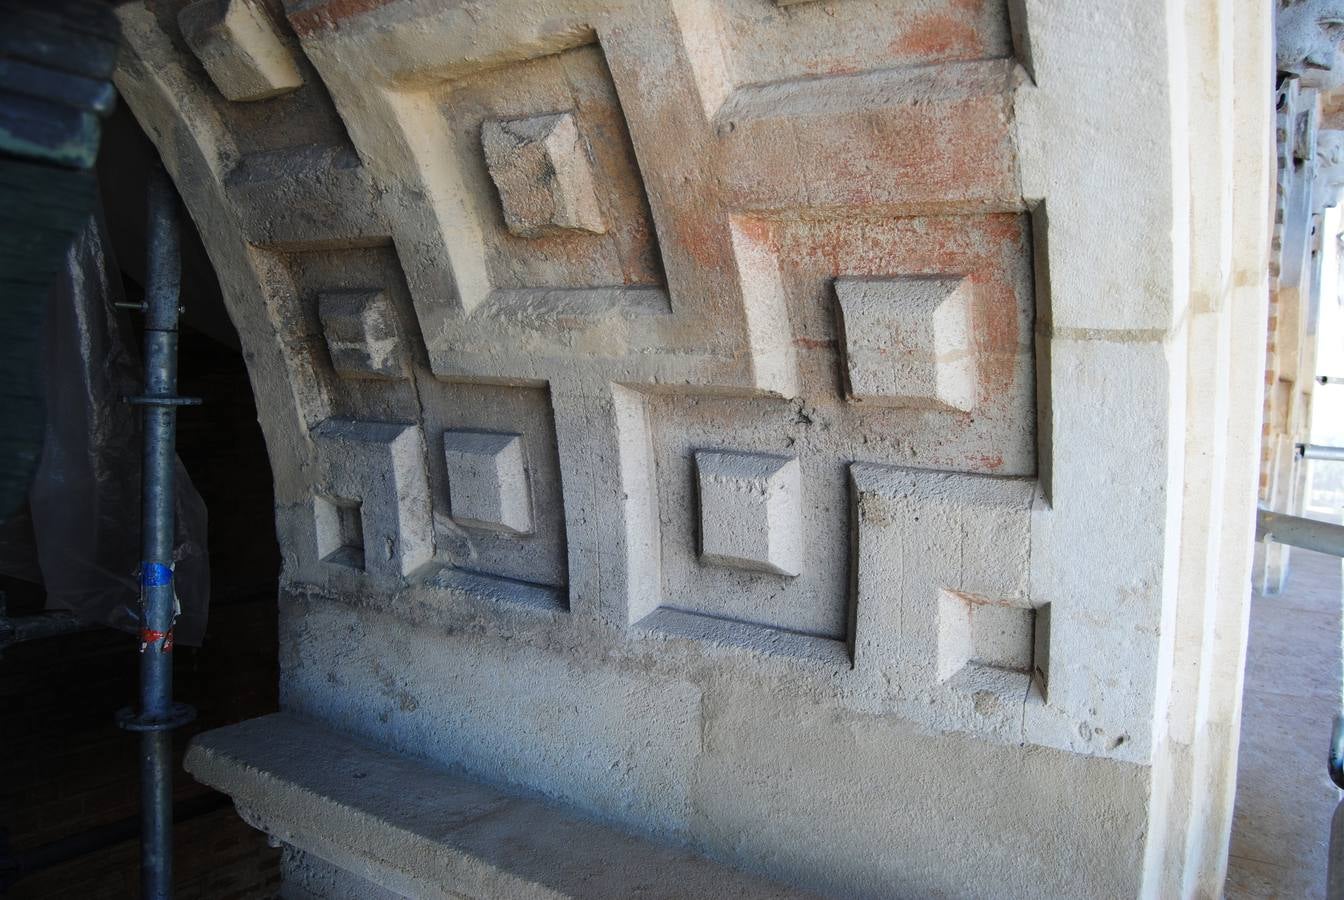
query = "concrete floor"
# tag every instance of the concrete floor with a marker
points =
(1281, 827)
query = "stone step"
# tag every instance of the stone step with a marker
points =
(418, 831)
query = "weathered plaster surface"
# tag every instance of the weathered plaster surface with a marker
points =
(533, 293)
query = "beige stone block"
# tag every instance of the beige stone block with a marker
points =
(907, 341)
(543, 173)
(240, 48)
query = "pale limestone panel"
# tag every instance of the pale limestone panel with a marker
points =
(801, 585)
(494, 471)
(502, 133)
(950, 627)
(368, 318)
(990, 424)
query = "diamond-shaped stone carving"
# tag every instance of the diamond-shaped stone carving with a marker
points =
(750, 511)
(907, 341)
(361, 332)
(488, 481)
(543, 174)
(240, 48)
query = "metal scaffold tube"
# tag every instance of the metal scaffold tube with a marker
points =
(158, 715)
(1320, 451)
(1310, 534)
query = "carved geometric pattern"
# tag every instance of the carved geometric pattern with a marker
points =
(361, 333)
(377, 468)
(495, 480)
(238, 44)
(907, 341)
(750, 511)
(340, 531)
(487, 480)
(983, 631)
(543, 174)
(944, 606)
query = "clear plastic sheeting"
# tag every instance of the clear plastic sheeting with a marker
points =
(81, 537)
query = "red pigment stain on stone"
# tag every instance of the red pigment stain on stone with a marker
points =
(939, 35)
(324, 16)
(806, 343)
(990, 461)
(756, 229)
(703, 244)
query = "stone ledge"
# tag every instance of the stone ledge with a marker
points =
(415, 830)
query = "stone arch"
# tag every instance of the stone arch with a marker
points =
(650, 259)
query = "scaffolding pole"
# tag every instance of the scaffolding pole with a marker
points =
(158, 715)
(1309, 534)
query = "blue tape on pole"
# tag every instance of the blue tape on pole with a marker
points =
(153, 574)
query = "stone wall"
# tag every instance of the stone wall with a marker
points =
(761, 426)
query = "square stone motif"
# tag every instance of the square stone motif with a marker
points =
(750, 511)
(987, 632)
(372, 508)
(240, 48)
(487, 481)
(543, 173)
(361, 333)
(907, 341)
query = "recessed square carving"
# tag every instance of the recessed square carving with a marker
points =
(496, 482)
(750, 511)
(377, 471)
(340, 531)
(543, 173)
(907, 341)
(944, 606)
(487, 480)
(755, 544)
(361, 333)
(240, 48)
(984, 632)
(540, 213)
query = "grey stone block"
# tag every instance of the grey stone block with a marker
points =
(417, 831)
(750, 511)
(379, 468)
(488, 480)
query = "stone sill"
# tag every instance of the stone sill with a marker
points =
(415, 830)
